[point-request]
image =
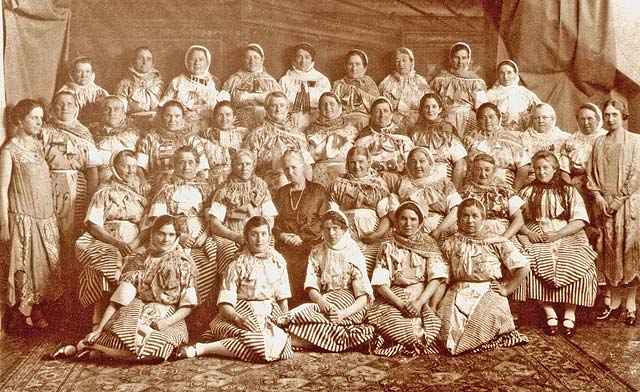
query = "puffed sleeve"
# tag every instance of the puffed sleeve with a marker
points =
(95, 211)
(284, 290)
(312, 280)
(218, 210)
(144, 152)
(510, 256)
(457, 150)
(519, 156)
(381, 274)
(437, 268)
(360, 283)
(515, 203)
(159, 206)
(229, 286)
(578, 208)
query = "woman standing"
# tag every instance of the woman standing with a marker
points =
(475, 311)
(462, 89)
(409, 278)
(249, 87)
(404, 88)
(28, 224)
(614, 181)
(356, 90)
(562, 261)
(514, 101)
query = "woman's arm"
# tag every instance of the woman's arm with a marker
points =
(317, 298)
(230, 314)
(102, 235)
(516, 222)
(382, 229)
(427, 293)
(91, 175)
(5, 179)
(448, 220)
(106, 316)
(386, 293)
(458, 173)
(180, 314)
(571, 228)
(522, 177)
(284, 305)
(355, 307)
(506, 286)
(219, 229)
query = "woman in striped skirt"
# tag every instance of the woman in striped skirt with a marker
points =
(184, 197)
(562, 261)
(253, 297)
(145, 318)
(113, 232)
(484, 269)
(409, 271)
(338, 285)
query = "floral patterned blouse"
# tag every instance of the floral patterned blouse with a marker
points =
(575, 152)
(388, 149)
(256, 277)
(142, 91)
(356, 95)
(370, 192)
(480, 259)
(439, 137)
(112, 140)
(69, 147)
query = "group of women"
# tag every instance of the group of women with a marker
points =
(398, 218)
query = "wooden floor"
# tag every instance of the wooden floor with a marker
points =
(601, 356)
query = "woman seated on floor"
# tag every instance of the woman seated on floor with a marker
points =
(145, 318)
(475, 311)
(253, 297)
(409, 278)
(563, 268)
(338, 285)
(113, 232)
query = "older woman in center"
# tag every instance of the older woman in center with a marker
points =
(252, 301)
(387, 148)
(113, 232)
(461, 88)
(409, 278)
(514, 101)
(512, 161)
(562, 261)
(439, 137)
(365, 197)
(339, 288)
(484, 270)
(142, 86)
(249, 87)
(303, 85)
(356, 90)
(184, 198)
(404, 88)
(330, 136)
(275, 136)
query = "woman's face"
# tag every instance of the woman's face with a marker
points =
(185, 166)
(242, 167)
(197, 63)
(32, 122)
(127, 169)
(65, 108)
(82, 74)
(419, 165)
(470, 220)
(302, 60)
(460, 60)
(587, 121)
(164, 238)
(329, 107)
(404, 64)
(381, 115)
(358, 165)
(483, 172)
(543, 170)
(143, 62)
(488, 120)
(277, 109)
(258, 239)
(506, 75)
(224, 117)
(173, 119)
(408, 222)
(355, 67)
(252, 61)
(542, 120)
(114, 113)
(332, 232)
(612, 118)
(431, 109)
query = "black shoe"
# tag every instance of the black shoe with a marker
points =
(630, 318)
(569, 330)
(551, 330)
(607, 313)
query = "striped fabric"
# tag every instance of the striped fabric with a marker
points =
(490, 319)
(81, 204)
(206, 260)
(122, 331)
(307, 322)
(226, 250)
(99, 262)
(248, 345)
(571, 279)
(396, 334)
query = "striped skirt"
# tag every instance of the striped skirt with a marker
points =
(129, 330)
(101, 266)
(397, 334)
(206, 260)
(307, 322)
(562, 271)
(264, 342)
(474, 317)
